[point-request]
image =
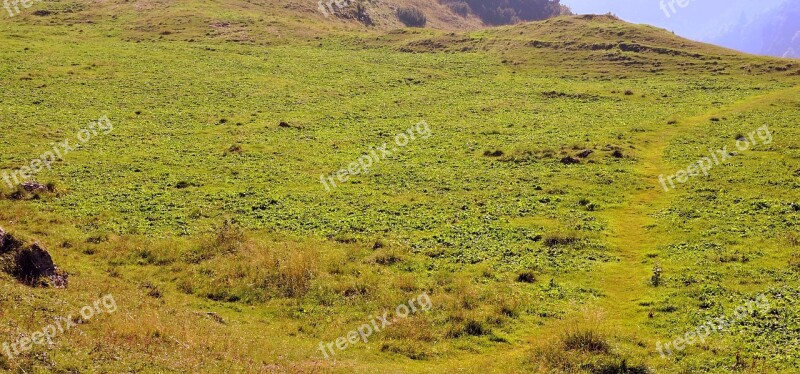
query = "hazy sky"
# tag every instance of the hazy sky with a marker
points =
(699, 20)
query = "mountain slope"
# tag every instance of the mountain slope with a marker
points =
(775, 32)
(275, 180)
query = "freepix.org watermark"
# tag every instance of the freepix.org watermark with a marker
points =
(714, 325)
(366, 162)
(705, 164)
(363, 332)
(59, 150)
(105, 304)
(668, 6)
(12, 6)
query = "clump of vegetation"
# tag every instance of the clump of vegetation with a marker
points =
(227, 238)
(387, 257)
(475, 328)
(655, 279)
(234, 148)
(412, 17)
(255, 273)
(459, 7)
(526, 277)
(561, 239)
(585, 339)
(582, 349)
(504, 12)
(32, 190)
(794, 261)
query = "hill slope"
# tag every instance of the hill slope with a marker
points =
(512, 197)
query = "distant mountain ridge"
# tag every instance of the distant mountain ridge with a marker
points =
(775, 32)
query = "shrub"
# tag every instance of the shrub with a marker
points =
(587, 340)
(412, 17)
(655, 280)
(526, 277)
(235, 148)
(229, 238)
(460, 9)
(475, 328)
(503, 12)
(583, 350)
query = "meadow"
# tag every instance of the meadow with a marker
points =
(202, 212)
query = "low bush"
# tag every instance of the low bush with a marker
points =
(585, 339)
(412, 17)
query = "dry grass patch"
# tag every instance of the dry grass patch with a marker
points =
(583, 347)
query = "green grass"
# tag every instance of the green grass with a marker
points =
(198, 201)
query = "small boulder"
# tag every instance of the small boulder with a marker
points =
(8, 243)
(30, 264)
(33, 186)
(33, 263)
(569, 160)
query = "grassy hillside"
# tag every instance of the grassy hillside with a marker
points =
(203, 213)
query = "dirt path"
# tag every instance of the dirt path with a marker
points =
(625, 283)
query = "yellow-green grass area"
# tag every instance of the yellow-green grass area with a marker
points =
(207, 221)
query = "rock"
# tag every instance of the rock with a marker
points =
(585, 153)
(59, 279)
(33, 186)
(617, 154)
(8, 243)
(284, 124)
(31, 264)
(569, 160)
(2, 240)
